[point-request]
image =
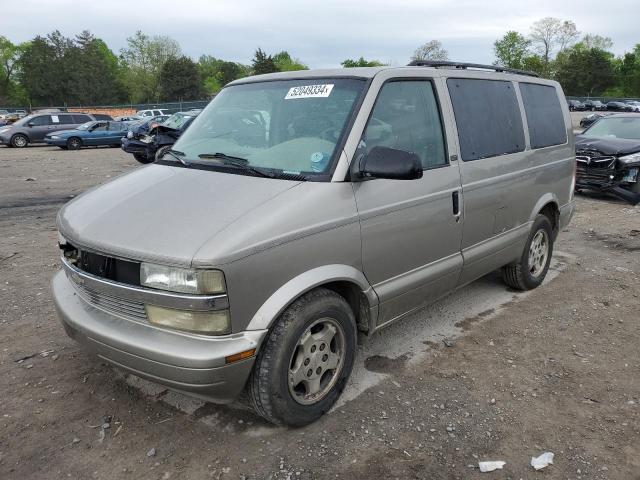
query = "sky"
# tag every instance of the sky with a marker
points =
(321, 33)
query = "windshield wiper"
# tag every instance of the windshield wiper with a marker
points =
(176, 154)
(238, 162)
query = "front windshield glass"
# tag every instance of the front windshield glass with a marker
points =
(176, 120)
(618, 127)
(85, 126)
(290, 126)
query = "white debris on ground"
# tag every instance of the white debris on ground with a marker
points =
(490, 466)
(542, 461)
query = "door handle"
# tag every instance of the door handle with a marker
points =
(455, 200)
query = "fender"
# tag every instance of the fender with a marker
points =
(304, 282)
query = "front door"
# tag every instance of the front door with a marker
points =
(411, 229)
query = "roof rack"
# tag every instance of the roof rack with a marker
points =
(464, 66)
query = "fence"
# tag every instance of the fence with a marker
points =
(118, 110)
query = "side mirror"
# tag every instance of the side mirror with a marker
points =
(30, 124)
(390, 163)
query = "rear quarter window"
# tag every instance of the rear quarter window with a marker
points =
(544, 115)
(487, 116)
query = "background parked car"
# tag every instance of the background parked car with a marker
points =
(127, 118)
(634, 104)
(142, 127)
(33, 128)
(94, 133)
(151, 113)
(146, 147)
(615, 106)
(594, 105)
(576, 105)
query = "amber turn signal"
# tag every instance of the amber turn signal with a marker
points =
(236, 357)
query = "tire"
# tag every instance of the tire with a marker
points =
(19, 141)
(74, 143)
(635, 187)
(142, 158)
(532, 267)
(62, 147)
(292, 352)
(162, 150)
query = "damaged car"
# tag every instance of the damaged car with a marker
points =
(608, 157)
(146, 146)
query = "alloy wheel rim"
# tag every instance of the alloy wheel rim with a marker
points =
(538, 253)
(20, 142)
(316, 361)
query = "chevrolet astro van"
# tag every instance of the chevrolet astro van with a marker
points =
(301, 209)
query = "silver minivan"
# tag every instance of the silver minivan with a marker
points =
(303, 208)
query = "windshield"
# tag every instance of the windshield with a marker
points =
(290, 126)
(85, 126)
(176, 120)
(618, 127)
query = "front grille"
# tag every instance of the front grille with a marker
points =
(103, 266)
(110, 304)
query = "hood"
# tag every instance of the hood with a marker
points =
(163, 213)
(608, 145)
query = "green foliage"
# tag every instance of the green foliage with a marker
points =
(217, 73)
(10, 89)
(180, 80)
(284, 62)
(143, 59)
(511, 50)
(361, 62)
(585, 71)
(263, 63)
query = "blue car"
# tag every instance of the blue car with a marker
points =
(94, 133)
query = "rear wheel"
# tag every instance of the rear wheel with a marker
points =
(304, 363)
(19, 141)
(74, 143)
(529, 271)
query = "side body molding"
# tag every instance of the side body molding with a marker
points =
(304, 282)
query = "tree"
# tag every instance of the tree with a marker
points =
(431, 50)
(216, 73)
(263, 63)
(596, 41)
(550, 33)
(143, 59)
(285, 63)
(180, 80)
(38, 73)
(361, 62)
(9, 57)
(585, 71)
(511, 50)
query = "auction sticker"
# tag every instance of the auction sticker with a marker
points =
(309, 91)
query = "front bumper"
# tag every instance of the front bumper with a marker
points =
(4, 139)
(55, 141)
(192, 364)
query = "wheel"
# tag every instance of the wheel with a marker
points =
(74, 143)
(19, 141)
(305, 361)
(529, 272)
(142, 158)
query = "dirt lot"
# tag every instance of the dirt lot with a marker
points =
(556, 369)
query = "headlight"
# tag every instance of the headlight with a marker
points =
(54, 136)
(2, 130)
(212, 323)
(182, 280)
(129, 134)
(629, 160)
(146, 139)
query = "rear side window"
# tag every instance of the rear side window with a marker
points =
(81, 118)
(66, 119)
(488, 118)
(40, 121)
(544, 115)
(406, 117)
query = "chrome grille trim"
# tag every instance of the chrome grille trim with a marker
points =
(117, 306)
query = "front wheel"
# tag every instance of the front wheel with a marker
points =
(529, 271)
(142, 158)
(305, 362)
(74, 143)
(19, 141)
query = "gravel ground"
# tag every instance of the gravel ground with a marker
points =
(556, 369)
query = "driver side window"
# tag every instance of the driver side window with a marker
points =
(406, 117)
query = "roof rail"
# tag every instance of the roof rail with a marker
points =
(464, 66)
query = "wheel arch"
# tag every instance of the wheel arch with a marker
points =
(345, 280)
(548, 205)
(23, 134)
